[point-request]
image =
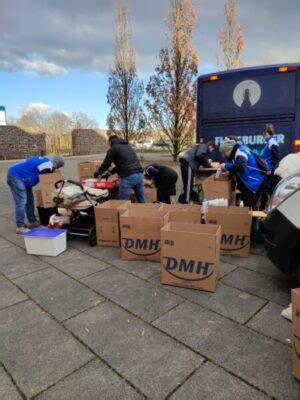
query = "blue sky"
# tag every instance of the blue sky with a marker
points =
(58, 52)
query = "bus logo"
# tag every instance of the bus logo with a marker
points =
(246, 94)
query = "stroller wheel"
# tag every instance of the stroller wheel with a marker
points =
(92, 238)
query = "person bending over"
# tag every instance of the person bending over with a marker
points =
(242, 163)
(127, 166)
(164, 179)
(21, 178)
(190, 163)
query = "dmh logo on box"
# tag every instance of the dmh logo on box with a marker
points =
(181, 268)
(141, 247)
(238, 241)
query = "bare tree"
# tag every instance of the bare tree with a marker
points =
(172, 89)
(231, 37)
(125, 90)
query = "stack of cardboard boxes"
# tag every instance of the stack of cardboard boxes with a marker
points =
(171, 234)
(44, 195)
(296, 332)
(86, 169)
(218, 187)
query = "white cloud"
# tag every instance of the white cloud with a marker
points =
(38, 107)
(42, 67)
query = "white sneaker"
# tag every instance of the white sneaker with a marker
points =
(287, 313)
(22, 229)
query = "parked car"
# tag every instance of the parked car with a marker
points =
(282, 227)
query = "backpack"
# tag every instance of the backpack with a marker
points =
(261, 163)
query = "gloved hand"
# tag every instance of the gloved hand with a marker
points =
(105, 176)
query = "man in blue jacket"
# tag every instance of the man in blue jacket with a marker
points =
(243, 165)
(21, 178)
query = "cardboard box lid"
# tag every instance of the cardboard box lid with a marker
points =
(143, 206)
(231, 217)
(143, 220)
(185, 216)
(191, 240)
(200, 229)
(181, 207)
(110, 210)
(113, 204)
(50, 178)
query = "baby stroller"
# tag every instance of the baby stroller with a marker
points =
(76, 204)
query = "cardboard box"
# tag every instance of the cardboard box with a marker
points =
(107, 222)
(47, 186)
(86, 169)
(296, 332)
(235, 225)
(144, 206)
(38, 198)
(140, 234)
(193, 217)
(150, 193)
(190, 255)
(217, 188)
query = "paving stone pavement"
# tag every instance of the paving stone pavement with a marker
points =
(87, 325)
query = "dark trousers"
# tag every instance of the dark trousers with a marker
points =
(270, 185)
(188, 182)
(249, 198)
(163, 198)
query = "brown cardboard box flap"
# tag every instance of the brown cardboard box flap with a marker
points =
(110, 210)
(181, 207)
(185, 216)
(190, 255)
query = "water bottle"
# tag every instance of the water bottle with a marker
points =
(241, 203)
(204, 208)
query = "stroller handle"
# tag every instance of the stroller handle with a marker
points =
(63, 181)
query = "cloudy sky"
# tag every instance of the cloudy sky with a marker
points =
(55, 54)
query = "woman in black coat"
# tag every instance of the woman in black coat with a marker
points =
(164, 179)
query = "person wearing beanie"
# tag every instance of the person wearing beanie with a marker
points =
(21, 178)
(127, 166)
(190, 162)
(243, 164)
(164, 179)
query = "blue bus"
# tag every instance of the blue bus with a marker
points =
(242, 101)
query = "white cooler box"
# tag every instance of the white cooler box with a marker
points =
(45, 241)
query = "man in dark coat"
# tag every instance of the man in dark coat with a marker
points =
(127, 166)
(164, 179)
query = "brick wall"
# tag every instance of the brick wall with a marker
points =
(88, 141)
(18, 144)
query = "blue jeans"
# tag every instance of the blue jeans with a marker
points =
(24, 200)
(134, 182)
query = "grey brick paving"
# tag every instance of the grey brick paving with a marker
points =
(253, 357)
(255, 262)
(14, 262)
(258, 284)
(227, 301)
(143, 269)
(213, 383)
(91, 382)
(140, 297)
(111, 354)
(153, 362)
(9, 294)
(7, 389)
(60, 295)
(269, 322)
(76, 264)
(36, 351)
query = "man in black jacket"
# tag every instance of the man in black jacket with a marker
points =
(127, 166)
